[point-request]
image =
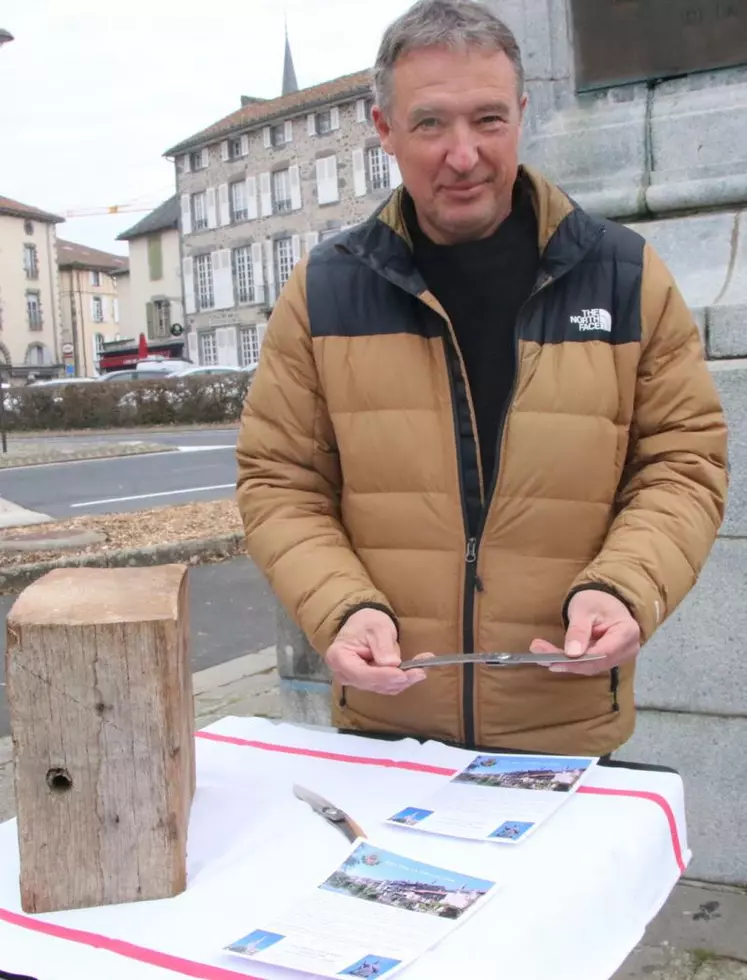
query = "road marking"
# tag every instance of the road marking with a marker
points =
(203, 449)
(147, 496)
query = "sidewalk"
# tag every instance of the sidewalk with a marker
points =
(31, 452)
(701, 934)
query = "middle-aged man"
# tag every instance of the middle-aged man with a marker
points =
(482, 421)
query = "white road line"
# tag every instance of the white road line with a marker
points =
(203, 449)
(147, 496)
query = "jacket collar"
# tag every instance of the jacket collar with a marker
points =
(566, 233)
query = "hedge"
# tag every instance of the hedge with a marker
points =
(111, 404)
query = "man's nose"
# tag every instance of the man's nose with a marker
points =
(462, 152)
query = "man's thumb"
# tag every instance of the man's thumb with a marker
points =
(383, 645)
(578, 634)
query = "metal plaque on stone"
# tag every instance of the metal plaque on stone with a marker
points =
(617, 42)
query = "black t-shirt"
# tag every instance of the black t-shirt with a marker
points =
(482, 285)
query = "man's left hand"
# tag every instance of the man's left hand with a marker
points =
(598, 623)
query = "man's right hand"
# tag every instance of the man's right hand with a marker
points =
(365, 654)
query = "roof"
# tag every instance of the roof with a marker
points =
(290, 84)
(257, 113)
(71, 255)
(15, 209)
(163, 218)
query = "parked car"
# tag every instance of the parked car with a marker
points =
(151, 367)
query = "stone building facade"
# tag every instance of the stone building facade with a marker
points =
(257, 191)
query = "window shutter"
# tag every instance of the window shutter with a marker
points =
(266, 137)
(251, 197)
(258, 272)
(334, 117)
(224, 206)
(210, 206)
(265, 193)
(224, 150)
(296, 248)
(359, 172)
(311, 124)
(270, 267)
(192, 349)
(395, 177)
(205, 157)
(150, 319)
(230, 353)
(294, 176)
(288, 131)
(222, 279)
(185, 164)
(245, 145)
(261, 331)
(189, 284)
(115, 309)
(312, 239)
(326, 179)
(360, 110)
(186, 215)
(93, 310)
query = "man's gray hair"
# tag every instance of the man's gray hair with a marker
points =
(442, 23)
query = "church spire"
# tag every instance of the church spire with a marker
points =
(289, 72)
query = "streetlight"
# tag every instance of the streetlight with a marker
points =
(5, 37)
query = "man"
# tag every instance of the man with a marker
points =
(482, 421)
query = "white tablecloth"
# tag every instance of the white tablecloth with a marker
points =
(578, 893)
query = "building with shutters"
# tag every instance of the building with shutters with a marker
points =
(29, 292)
(257, 190)
(152, 304)
(89, 303)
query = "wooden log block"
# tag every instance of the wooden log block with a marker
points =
(102, 719)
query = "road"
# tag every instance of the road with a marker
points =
(202, 466)
(232, 613)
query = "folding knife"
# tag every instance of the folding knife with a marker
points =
(498, 660)
(332, 814)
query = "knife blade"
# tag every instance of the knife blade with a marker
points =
(497, 660)
(331, 813)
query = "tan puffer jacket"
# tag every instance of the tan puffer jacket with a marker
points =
(359, 479)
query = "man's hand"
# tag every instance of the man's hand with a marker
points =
(365, 654)
(598, 623)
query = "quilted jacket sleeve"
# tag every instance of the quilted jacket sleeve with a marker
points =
(289, 484)
(672, 496)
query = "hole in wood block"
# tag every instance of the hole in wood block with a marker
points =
(59, 780)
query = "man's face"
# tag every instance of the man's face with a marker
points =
(454, 127)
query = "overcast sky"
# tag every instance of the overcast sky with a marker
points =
(91, 93)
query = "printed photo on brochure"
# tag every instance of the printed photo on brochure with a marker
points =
(497, 798)
(375, 913)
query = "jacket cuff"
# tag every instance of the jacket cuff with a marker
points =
(367, 605)
(597, 587)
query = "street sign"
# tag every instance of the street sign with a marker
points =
(70, 369)
(621, 41)
(68, 349)
(176, 330)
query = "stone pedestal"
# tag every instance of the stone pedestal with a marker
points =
(668, 158)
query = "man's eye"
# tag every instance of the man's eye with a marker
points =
(428, 123)
(491, 120)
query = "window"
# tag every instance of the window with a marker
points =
(378, 168)
(33, 309)
(30, 263)
(283, 260)
(155, 258)
(158, 318)
(234, 149)
(28, 227)
(243, 275)
(277, 134)
(98, 347)
(97, 309)
(38, 355)
(208, 348)
(95, 277)
(239, 209)
(204, 281)
(281, 191)
(248, 346)
(199, 212)
(198, 160)
(323, 122)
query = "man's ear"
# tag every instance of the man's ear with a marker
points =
(381, 124)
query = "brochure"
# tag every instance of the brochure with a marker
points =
(499, 798)
(376, 912)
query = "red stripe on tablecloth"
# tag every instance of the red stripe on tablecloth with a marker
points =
(187, 968)
(439, 771)
(654, 798)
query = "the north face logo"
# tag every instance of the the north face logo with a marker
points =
(593, 320)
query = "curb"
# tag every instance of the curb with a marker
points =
(192, 552)
(80, 456)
